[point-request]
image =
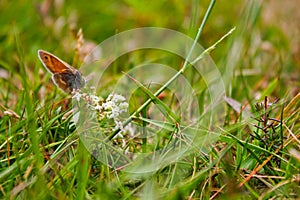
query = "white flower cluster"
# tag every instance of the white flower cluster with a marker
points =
(111, 108)
(91, 99)
(114, 105)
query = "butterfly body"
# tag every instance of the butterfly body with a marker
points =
(64, 75)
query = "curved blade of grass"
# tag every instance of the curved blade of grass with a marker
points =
(166, 111)
(210, 7)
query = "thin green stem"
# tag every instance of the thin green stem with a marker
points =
(181, 71)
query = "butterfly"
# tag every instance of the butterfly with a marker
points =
(64, 75)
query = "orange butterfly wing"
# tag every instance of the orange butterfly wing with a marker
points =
(52, 63)
(64, 76)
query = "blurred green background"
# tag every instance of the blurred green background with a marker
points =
(262, 57)
(267, 34)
